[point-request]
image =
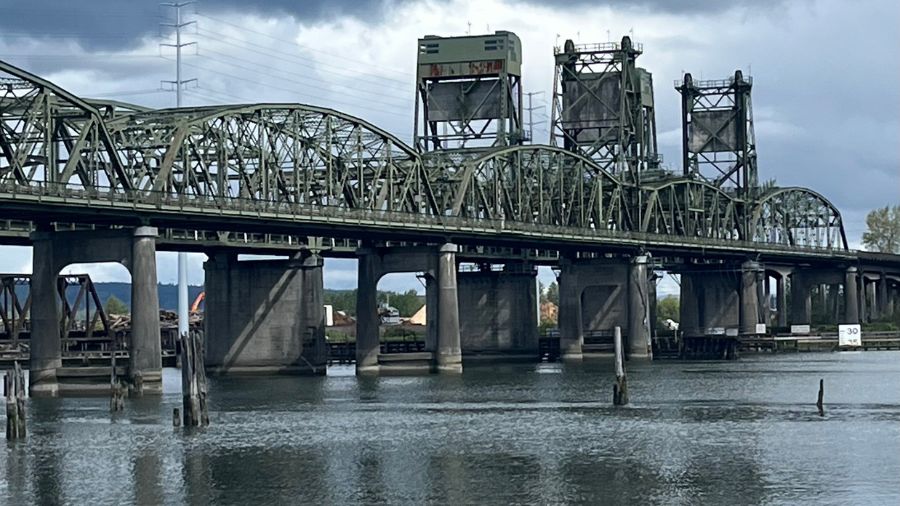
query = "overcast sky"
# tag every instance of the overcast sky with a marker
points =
(826, 88)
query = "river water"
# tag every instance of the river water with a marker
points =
(744, 432)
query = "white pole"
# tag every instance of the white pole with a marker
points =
(183, 310)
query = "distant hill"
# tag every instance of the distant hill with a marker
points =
(168, 294)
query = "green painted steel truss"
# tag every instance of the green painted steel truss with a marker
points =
(302, 159)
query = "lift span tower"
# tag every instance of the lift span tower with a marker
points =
(469, 91)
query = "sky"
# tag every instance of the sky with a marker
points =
(826, 76)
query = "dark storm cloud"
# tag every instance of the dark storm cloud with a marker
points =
(117, 24)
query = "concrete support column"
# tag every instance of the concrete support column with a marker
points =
(571, 327)
(46, 353)
(689, 307)
(801, 301)
(851, 296)
(145, 359)
(781, 300)
(871, 298)
(638, 309)
(431, 310)
(883, 303)
(864, 289)
(449, 354)
(749, 297)
(367, 323)
(653, 304)
(312, 311)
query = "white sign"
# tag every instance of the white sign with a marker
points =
(849, 335)
(715, 331)
(799, 329)
(760, 328)
(731, 332)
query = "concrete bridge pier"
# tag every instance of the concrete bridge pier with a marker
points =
(781, 317)
(498, 313)
(46, 348)
(265, 316)
(639, 324)
(751, 305)
(884, 298)
(569, 320)
(711, 300)
(449, 351)
(442, 340)
(145, 351)
(598, 294)
(851, 296)
(133, 248)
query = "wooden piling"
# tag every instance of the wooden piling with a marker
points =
(819, 402)
(117, 389)
(620, 389)
(14, 390)
(193, 380)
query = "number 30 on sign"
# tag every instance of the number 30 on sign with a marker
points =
(849, 335)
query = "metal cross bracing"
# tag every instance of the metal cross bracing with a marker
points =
(82, 315)
(603, 107)
(718, 139)
(290, 168)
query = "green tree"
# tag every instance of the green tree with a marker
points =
(552, 294)
(667, 308)
(883, 234)
(406, 303)
(115, 306)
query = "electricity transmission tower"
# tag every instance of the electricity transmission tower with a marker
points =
(178, 83)
(530, 109)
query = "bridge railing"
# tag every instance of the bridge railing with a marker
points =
(148, 201)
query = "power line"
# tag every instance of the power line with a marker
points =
(292, 91)
(305, 81)
(342, 57)
(296, 59)
(129, 93)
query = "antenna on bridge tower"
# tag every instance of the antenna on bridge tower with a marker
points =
(183, 312)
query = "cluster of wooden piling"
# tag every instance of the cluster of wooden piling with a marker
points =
(193, 381)
(14, 390)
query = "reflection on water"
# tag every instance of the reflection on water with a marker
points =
(742, 432)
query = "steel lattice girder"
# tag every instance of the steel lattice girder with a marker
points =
(543, 185)
(291, 154)
(50, 136)
(280, 153)
(689, 207)
(798, 217)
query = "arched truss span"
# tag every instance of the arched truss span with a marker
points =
(542, 185)
(51, 137)
(798, 217)
(273, 153)
(690, 207)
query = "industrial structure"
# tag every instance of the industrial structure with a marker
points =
(87, 181)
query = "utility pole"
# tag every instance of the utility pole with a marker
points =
(531, 108)
(183, 310)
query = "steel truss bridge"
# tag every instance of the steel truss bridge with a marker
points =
(300, 170)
